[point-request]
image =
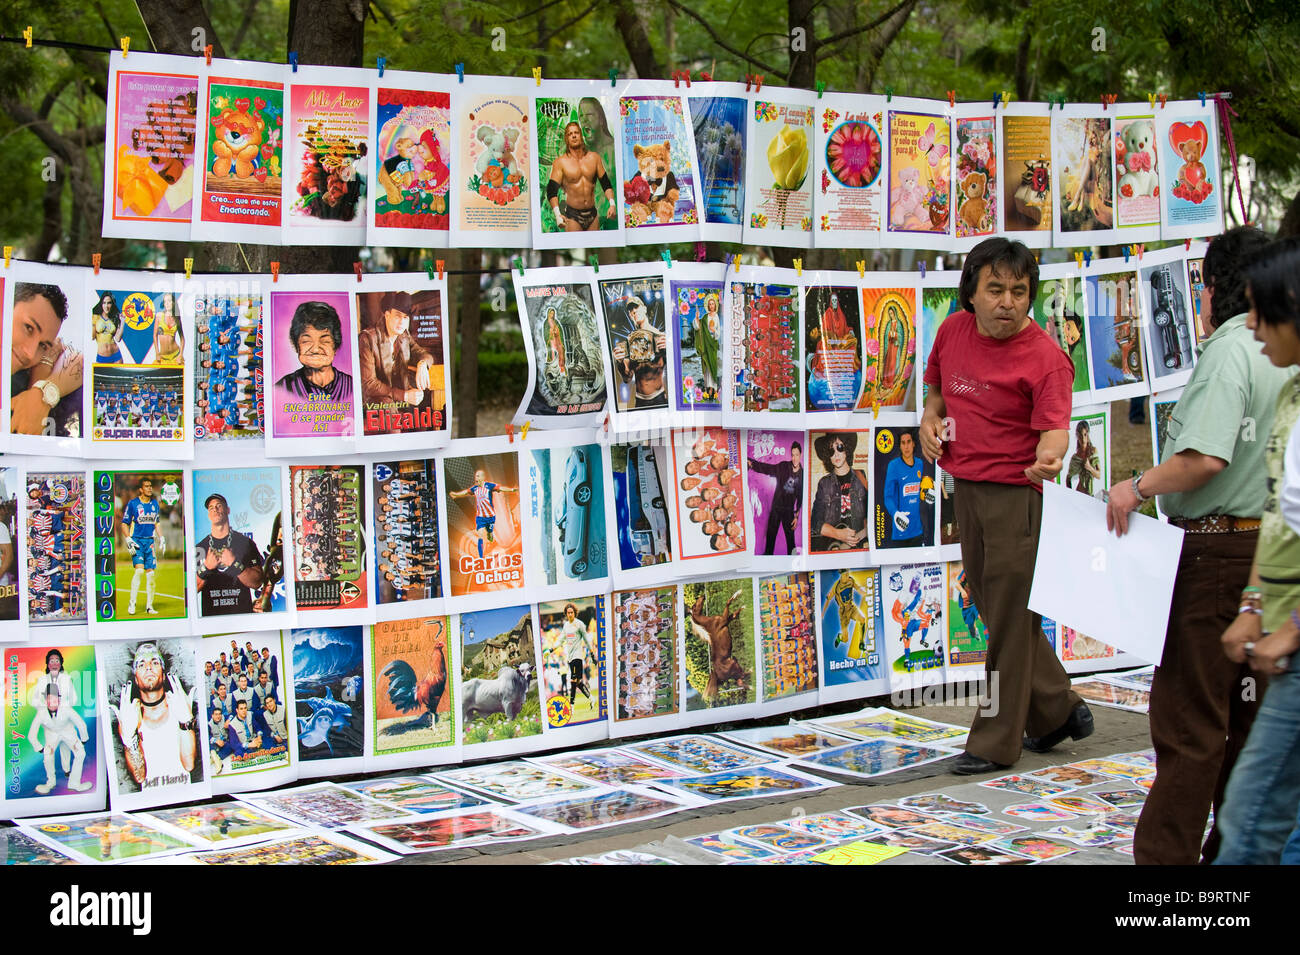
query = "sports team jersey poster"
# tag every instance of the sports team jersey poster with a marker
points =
(890, 344)
(52, 516)
(1025, 186)
(657, 166)
(787, 633)
(402, 357)
(492, 195)
(566, 367)
(327, 506)
(1083, 177)
(968, 638)
(239, 549)
(779, 170)
(329, 690)
(155, 725)
(719, 652)
(312, 345)
(1115, 330)
(1137, 188)
(903, 491)
(852, 631)
(646, 696)
(1058, 310)
(761, 354)
(576, 204)
(228, 357)
(407, 557)
(919, 170)
(1163, 282)
(327, 169)
(1191, 179)
(566, 507)
(51, 724)
(243, 153)
(975, 174)
(149, 182)
(499, 702)
(913, 600)
(485, 541)
(719, 127)
(138, 393)
(138, 518)
(413, 704)
(777, 475)
(709, 490)
(832, 332)
(632, 305)
(838, 469)
(695, 313)
(43, 325)
(850, 158)
(640, 520)
(573, 673)
(411, 140)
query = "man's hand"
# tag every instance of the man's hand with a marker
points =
(179, 704)
(931, 436)
(227, 557)
(559, 217)
(413, 396)
(68, 378)
(210, 561)
(422, 372)
(129, 714)
(1120, 501)
(1045, 467)
(1247, 628)
(620, 352)
(29, 412)
(1271, 653)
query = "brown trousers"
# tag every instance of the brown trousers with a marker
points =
(1199, 716)
(999, 544)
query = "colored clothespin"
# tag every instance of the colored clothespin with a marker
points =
(952, 98)
(700, 251)
(293, 61)
(922, 265)
(798, 267)
(519, 264)
(1106, 99)
(997, 100)
(189, 267)
(1164, 98)
(1201, 94)
(442, 268)
(460, 71)
(9, 254)
(95, 259)
(889, 93)
(1087, 257)
(523, 432)
(275, 271)
(613, 76)
(356, 267)
(821, 88)
(537, 75)
(731, 259)
(1126, 249)
(758, 82)
(510, 432)
(207, 54)
(1151, 100)
(1140, 249)
(27, 37)
(126, 48)
(1187, 247)
(1006, 97)
(382, 62)
(428, 267)
(875, 408)
(605, 426)
(1078, 259)
(667, 256)
(862, 268)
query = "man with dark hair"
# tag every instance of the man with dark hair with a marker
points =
(839, 511)
(787, 499)
(229, 564)
(394, 368)
(317, 334)
(45, 375)
(997, 418)
(1212, 482)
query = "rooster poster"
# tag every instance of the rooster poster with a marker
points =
(413, 720)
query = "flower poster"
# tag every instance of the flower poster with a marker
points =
(1025, 187)
(975, 175)
(850, 162)
(779, 180)
(326, 170)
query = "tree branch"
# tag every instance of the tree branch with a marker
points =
(713, 34)
(250, 9)
(854, 31)
(543, 40)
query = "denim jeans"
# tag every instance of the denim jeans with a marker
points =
(1263, 797)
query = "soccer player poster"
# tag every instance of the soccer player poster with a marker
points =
(903, 491)
(481, 514)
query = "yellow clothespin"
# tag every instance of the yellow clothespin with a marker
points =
(189, 267)
(1078, 258)
(875, 408)
(126, 46)
(9, 253)
(1006, 97)
(27, 37)
(1151, 99)
(862, 268)
(798, 267)
(523, 432)
(537, 75)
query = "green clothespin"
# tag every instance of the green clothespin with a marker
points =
(821, 88)
(667, 256)
(519, 264)
(889, 93)
(613, 76)
(595, 262)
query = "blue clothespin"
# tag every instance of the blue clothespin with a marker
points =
(613, 76)
(922, 265)
(1126, 251)
(1202, 96)
(460, 71)
(997, 99)
(667, 257)
(1087, 256)
(293, 61)
(383, 61)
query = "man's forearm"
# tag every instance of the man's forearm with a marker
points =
(934, 404)
(1053, 443)
(1184, 471)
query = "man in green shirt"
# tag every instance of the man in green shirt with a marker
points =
(1211, 482)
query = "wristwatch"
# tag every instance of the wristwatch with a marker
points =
(50, 393)
(1137, 479)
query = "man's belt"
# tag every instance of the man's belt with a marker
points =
(1216, 524)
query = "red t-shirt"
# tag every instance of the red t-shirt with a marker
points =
(999, 393)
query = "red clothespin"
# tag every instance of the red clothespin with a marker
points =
(207, 53)
(442, 268)
(1140, 249)
(700, 251)
(275, 271)
(952, 98)
(510, 433)
(1164, 98)
(1187, 245)
(95, 259)
(1108, 98)
(606, 424)
(356, 267)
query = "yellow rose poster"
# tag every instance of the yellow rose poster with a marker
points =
(779, 174)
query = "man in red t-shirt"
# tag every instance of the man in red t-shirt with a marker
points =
(997, 417)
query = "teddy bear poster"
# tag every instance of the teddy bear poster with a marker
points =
(244, 154)
(153, 170)
(494, 151)
(658, 180)
(1137, 180)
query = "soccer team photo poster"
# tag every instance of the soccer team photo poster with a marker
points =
(406, 538)
(788, 636)
(327, 510)
(228, 357)
(761, 353)
(645, 666)
(52, 516)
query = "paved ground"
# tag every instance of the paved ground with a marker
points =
(1117, 731)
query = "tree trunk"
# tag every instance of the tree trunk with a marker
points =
(171, 25)
(469, 319)
(803, 63)
(636, 40)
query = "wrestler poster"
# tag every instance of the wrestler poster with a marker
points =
(762, 354)
(645, 660)
(919, 170)
(779, 170)
(155, 730)
(576, 150)
(485, 543)
(574, 676)
(312, 343)
(850, 161)
(566, 370)
(413, 714)
(153, 125)
(913, 602)
(709, 490)
(657, 167)
(1025, 185)
(140, 549)
(632, 304)
(778, 486)
(407, 542)
(695, 313)
(832, 330)
(838, 469)
(852, 631)
(401, 353)
(52, 513)
(52, 757)
(326, 171)
(412, 154)
(228, 357)
(903, 491)
(239, 560)
(1191, 178)
(491, 197)
(787, 632)
(329, 689)
(243, 154)
(890, 344)
(719, 126)
(327, 508)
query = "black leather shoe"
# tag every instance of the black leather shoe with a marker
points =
(1077, 727)
(969, 764)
